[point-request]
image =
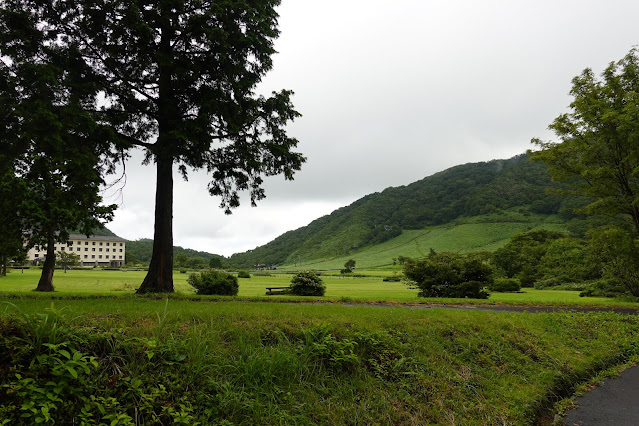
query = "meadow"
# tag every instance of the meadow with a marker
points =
(93, 351)
(479, 233)
(339, 289)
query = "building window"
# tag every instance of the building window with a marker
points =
(93, 249)
(93, 256)
(100, 242)
(86, 249)
(37, 255)
(86, 256)
(107, 256)
(86, 243)
(100, 248)
(100, 256)
(120, 250)
(93, 243)
(62, 248)
(107, 244)
(120, 257)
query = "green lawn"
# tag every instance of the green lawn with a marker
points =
(338, 289)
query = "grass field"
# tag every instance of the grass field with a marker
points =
(240, 362)
(481, 233)
(93, 351)
(338, 289)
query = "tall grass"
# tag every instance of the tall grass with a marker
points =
(246, 363)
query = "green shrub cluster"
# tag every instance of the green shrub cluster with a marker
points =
(213, 282)
(505, 285)
(307, 283)
(448, 274)
(243, 274)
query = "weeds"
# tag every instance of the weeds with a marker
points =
(240, 363)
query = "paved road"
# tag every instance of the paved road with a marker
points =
(616, 402)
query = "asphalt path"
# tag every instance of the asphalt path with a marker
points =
(616, 402)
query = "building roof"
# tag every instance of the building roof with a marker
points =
(95, 237)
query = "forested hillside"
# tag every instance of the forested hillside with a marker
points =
(143, 248)
(462, 191)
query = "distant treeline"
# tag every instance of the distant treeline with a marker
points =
(143, 248)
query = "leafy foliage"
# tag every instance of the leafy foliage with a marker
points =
(521, 256)
(598, 158)
(214, 282)
(307, 283)
(243, 274)
(66, 259)
(178, 80)
(505, 285)
(448, 274)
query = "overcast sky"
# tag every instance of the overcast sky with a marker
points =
(392, 92)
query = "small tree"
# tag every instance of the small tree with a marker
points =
(348, 267)
(215, 263)
(66, 259)
(307, 283)
(448, 274)
(214, 282)
(130, 258)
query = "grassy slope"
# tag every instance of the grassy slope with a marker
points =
(263, 363)
(480, 233)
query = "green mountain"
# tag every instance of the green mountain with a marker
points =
(458, 193)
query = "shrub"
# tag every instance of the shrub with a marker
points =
(449, 275)
(605, 287)
(214, 282)
(243, 274)
(307, 283)
(182, 271)
(505, 285)
(550, 282)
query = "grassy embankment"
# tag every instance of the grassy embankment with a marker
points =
(265, 363)
(339, 289)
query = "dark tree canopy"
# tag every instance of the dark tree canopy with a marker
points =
(449, 274)
(599, 156)
(178, 79)
(51, 144)
(599, 149)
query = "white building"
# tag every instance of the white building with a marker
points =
(93, 251)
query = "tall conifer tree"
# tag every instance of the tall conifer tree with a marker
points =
(178, 78)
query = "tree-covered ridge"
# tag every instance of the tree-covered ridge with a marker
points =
(142, 249)
(461, 191)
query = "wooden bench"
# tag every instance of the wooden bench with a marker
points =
(276, 290)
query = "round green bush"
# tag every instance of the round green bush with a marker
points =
(214, 282)
(243, 274)
(307, 283)
(505, 285)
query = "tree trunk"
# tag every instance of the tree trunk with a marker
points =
(46, 279)
(159, 279)
(3, 265)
